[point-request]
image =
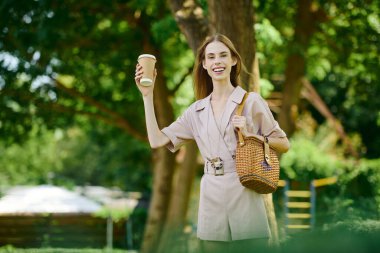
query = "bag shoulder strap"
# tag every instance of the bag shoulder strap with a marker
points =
(240, 135)
(239, 110)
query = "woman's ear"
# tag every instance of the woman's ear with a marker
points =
(204, 65)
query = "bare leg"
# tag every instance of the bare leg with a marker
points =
(214, 247)
(249, 246)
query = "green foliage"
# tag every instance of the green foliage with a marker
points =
(342, 60)
(164, 29)
(309, 157)
(268, 37)
(98, 159)
(266, 87)
(361, 182)
(116, 214)
(74, 157)
(357, 226)
(98, 52)
(315, 153)
(90, 47)
(305, 161)
(339, 240)
(179, 71)
(32, 163)
(350, 42)
(269, 43)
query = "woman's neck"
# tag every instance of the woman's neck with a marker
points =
(221, 90)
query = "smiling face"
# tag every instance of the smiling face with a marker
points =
(218, 61)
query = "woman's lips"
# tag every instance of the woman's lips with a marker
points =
(218, 70)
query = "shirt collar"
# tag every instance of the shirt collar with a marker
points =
(236, 96)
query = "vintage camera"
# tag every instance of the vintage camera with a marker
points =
(217, 164)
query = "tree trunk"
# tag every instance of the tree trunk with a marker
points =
(191, 21)
(307, 17)
(269, 207)
(268, 198)
(179, 203)
(193, 25)
(163, 163)
(163, 167)
(235, 19)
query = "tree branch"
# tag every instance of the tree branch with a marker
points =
(178, 85)
(64, 109)
(115, 117)
(313, 97)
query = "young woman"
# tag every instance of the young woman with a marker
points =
(229, 214)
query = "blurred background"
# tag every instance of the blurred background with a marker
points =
(76, 170)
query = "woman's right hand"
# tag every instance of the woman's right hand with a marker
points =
(145, 90)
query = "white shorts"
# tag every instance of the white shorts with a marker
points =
(229, 211)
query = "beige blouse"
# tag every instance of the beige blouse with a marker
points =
(198, 123)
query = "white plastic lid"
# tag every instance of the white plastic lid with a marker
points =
(147, 55)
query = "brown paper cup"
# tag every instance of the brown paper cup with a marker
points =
(147, 61)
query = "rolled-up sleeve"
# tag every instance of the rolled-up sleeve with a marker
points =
(180, 131)
(263, 117)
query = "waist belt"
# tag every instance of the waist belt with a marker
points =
(229, 166)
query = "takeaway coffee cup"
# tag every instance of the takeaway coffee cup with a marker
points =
(147, 61)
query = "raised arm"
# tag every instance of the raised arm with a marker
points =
(156, 137)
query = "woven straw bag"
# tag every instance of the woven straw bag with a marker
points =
(257, 163)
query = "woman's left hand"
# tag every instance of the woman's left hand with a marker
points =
(241, 123)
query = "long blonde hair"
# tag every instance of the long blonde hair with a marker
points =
(202, 81)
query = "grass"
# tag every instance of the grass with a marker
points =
(10, 249)
(354, 236)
